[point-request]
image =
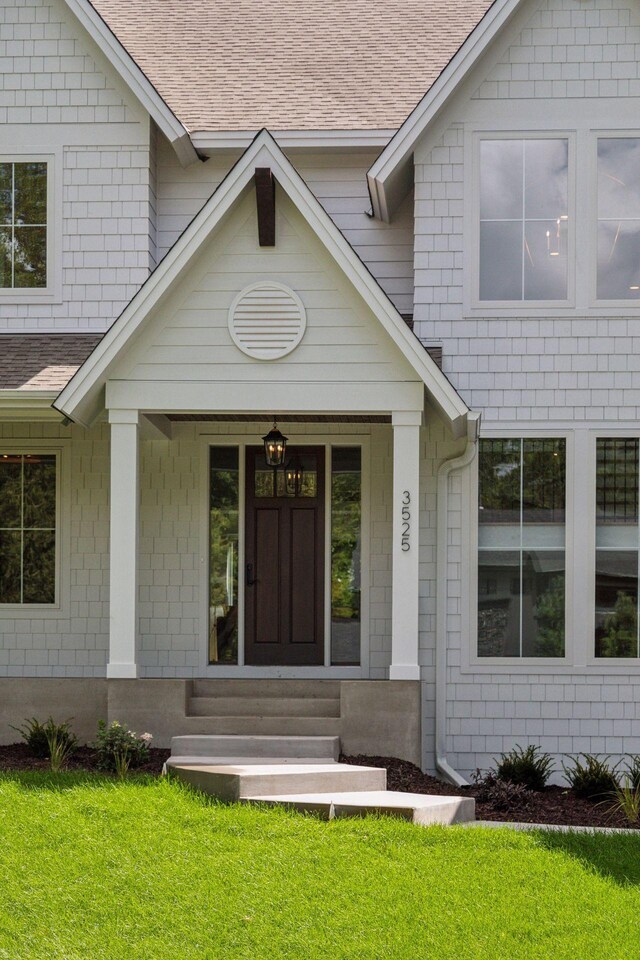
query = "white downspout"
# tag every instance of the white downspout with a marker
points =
(445, 469)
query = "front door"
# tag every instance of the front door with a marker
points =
(284, 553)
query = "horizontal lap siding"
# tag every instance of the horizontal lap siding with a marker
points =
(190, 338)
(340, 184)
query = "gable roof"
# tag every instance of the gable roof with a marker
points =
(227, 65)
(135, 79)
(390, 176)
(81, 399)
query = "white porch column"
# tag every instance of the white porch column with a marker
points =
(405, 554)
(123, 592)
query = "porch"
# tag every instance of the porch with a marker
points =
(217, 571)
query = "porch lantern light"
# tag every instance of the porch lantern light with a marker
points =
(275, 445)
(294, 474)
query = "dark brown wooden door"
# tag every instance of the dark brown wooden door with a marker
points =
(284, 554)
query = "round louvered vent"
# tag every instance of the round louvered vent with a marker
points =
(267, 320)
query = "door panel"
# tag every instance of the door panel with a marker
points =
(284, 607)
(266, 574)
(303, 576)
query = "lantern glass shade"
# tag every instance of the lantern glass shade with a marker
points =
(294, 474)
(275, 445)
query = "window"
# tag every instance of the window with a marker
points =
(346, 554)
(521, 541)
(224, 514)
(618, 218)
(23, 225)
(523, 219)
(27, 528)
(617, 479)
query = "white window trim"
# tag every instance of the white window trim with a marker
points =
(617, 306)
(471, 662)
(52, 293)
(327, 670)
(472, 304)
(58, 609)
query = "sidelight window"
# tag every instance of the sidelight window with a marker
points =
(521, 540)
(224, 516)
(346, 554)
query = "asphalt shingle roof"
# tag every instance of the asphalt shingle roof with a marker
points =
(34, 361)
(292, 64)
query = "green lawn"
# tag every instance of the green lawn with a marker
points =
(94, 869)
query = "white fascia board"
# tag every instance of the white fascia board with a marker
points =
(28, 405)
(209, 141)
(135, 79)
(398, 152)
(264, 151)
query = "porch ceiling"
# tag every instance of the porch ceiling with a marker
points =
(284, 417)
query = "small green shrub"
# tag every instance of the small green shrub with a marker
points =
(502, 795)
(632, 772)
(591, 777)
(626, 800)
(39, 737)
(531, 768)
(61, 743)
(119, 748)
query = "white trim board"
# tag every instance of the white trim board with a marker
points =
(211, 141)
(82, 398)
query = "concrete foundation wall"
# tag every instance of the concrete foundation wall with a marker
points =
(83, 700)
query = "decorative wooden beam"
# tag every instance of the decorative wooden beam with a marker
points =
(266, 204)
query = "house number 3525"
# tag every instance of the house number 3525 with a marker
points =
(405, 535)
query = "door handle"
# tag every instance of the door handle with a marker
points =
(250, 578)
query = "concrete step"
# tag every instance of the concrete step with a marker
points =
(326, 748)
(255, 780)
(266, 687)
(259, 706)
(193, 761)
(266, 726)
(415, 807)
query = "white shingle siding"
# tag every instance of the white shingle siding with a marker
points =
(571, 50)
(46, 72)
(71, 642)
(524, 370)
(51, 82)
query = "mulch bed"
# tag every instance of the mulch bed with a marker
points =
(556, 805)
(17, 757)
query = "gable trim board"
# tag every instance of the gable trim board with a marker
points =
(134, 78)
(81, 400)
(391, 176)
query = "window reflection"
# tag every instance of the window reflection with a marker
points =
(223, 558)
(346, 554)
(521, 539)
(616, 614)
(523, 219)
(27, 528)
(618, 218)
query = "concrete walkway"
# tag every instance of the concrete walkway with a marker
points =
(302, 773)
(549, 827)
